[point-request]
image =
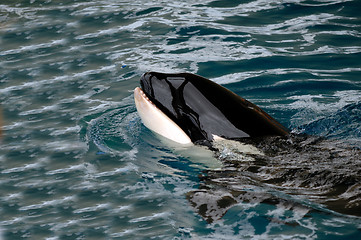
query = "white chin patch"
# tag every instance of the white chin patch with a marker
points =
(156, 120)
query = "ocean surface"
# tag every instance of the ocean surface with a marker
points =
(77, 163)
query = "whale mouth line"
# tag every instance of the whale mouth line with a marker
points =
(139, 91)
(144, 96)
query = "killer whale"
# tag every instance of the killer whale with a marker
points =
(188, 108)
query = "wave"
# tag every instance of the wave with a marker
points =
(343, 125)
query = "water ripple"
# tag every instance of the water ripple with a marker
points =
(74, 149)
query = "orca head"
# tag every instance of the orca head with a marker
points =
(196, 109)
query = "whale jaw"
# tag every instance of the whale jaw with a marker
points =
(154, 119)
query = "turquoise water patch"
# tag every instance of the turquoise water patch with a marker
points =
(77, 163)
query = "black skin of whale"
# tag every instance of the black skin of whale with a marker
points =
(202, 108)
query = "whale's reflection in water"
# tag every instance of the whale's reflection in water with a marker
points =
(294, 173)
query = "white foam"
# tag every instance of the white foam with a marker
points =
(235, 147)
(111, 31)
(34, 47)
(75, 129)
(150, 217)
(97, 207)
(49, 203)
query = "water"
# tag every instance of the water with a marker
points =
(76, 162)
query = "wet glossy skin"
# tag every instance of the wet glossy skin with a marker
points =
(203, 108)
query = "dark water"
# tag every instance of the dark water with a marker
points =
(76, 162)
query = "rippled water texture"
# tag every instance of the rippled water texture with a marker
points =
(77, 163)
